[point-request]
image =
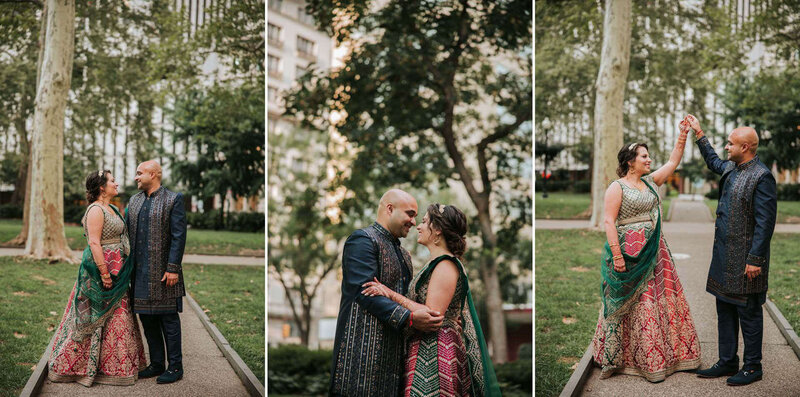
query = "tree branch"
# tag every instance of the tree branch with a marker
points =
(450, 98)
(286, 290)
(501, 133)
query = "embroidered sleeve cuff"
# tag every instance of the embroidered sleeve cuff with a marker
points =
(173, 268)
(399, 317)
(702, 141)
(756, 260)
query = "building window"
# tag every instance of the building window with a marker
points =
(304, 17)
(272, 95)
(305, 47)
(274, 65)
(299, 71)
(275, 5)
(274, 33)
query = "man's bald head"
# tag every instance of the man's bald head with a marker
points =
(148, 176)
(153, 167)
(397, 211)
(742, 144)
(746, 135)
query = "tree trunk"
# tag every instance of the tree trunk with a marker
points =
(46, 237)
(611, 80)
(494, 297)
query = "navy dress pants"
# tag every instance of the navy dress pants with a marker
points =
(161, 328)
(751, 319)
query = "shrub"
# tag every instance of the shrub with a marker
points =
(294, 369)
(236, 221)
(515, 375)
(204, 220)
(74, 213)
(10, 211)
(789, 192)
(246, 222)
(713, 194)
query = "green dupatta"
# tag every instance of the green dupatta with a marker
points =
(484, 381)
(93, 304)
(620, 290)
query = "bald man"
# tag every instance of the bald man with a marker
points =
(740, 261)
(156, 222)
(369, 347)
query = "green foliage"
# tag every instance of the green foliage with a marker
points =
(236, 221)
(302, 229)
(770, 103)
(296, 369)
(10, 211)
(236, 33)
(225, 126)
(671, 45)
(516, 376)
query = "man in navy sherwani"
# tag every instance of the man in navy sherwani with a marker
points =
(740, 261)
(369, 347)
(156, 222)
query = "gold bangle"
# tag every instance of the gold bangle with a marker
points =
(105, 276)
(617, 257)
(613, 245)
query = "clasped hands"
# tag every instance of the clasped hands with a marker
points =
(425, 320)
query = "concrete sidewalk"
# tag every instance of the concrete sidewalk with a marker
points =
(206, 371)
(187, 258)
(690, 244)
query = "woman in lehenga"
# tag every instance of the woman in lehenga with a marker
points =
(98, 340)
(645, 327)
(452, 361)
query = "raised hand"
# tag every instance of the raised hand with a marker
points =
(695, 125)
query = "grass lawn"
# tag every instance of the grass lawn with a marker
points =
(233, 298)
(788, 211)
(572, 206)
(567, 302)
(211, 242)
(562, 205)
(784, 276)
(35, 293)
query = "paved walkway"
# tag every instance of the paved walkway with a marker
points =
(690, 242)
(188, 258)
(206, 371)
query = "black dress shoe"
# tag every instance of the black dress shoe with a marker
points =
(172, 375)
(151, 371)
(718, 370)
(745, 377)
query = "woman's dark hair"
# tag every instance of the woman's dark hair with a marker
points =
(626, 154)
(452, 223)
(94, 182)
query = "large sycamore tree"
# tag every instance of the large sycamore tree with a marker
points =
(434, 93)
(611, 79)
(46, 221)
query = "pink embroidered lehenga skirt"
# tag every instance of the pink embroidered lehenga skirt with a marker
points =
(113, 354)
(656, 336)
(437, 364)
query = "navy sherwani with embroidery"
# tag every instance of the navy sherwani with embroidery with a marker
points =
(369, 347)
(743, 229)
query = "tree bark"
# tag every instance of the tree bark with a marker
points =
(610, 86)
(46, 239)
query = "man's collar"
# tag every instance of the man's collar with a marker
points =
(386, 233)
(155, 192)
(748, 164)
